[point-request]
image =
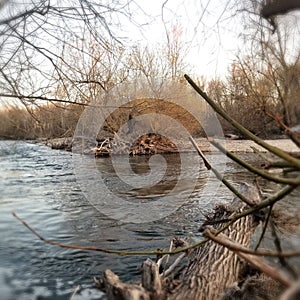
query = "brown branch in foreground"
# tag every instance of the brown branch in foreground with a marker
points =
(275, 150)
(277, 243)
(249, 256)
(63, 245)
(291, 181)
(110, 251)
(294, 135)
(222, 239)
(265, 203)
(264, 229)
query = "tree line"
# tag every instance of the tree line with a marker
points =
(45, 88)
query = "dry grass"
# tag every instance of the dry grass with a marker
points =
(45, 121)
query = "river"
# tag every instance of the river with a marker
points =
(41, 185)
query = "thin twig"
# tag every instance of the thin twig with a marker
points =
(269, 201)
(270, 163)
(294, 135)
(249, 256)
(264, 228)
(219, 176)
(282, 154)
(110, 251)
(222, 239)
(277, 244)
(174, 265)
(42, 98)
(265, 203)
(251, 168)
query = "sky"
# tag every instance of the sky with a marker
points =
(209, 30)
(214, 31)
(210, 35)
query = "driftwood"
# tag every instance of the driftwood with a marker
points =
(152, 143)
(211, 269)
(60, 143)
(103, 148)
(147, 144)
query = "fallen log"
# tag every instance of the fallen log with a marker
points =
(211, 268)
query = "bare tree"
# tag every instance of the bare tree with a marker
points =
(35, 37)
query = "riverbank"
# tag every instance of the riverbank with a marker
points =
(244, 146)
(248, 145)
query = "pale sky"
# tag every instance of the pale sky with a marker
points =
(207, 26)
(207, 29)
(211, 29)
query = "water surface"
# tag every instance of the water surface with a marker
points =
(40, 185)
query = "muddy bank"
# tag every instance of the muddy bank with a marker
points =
(245, 146)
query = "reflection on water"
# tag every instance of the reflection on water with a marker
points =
(40, 186)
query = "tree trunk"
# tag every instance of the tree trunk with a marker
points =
(211, 267)
(278, 7)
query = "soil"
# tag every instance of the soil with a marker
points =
(204, 145)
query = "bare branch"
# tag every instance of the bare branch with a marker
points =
(291, 181)
(219, 176)
(250, 257)
(241, 128)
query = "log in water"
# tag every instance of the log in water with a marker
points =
(211, 267)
